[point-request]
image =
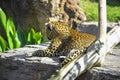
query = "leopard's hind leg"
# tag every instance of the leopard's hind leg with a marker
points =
(71, 56)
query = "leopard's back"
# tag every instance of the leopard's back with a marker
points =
(81, 40)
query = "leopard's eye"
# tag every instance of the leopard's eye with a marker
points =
(48, 26)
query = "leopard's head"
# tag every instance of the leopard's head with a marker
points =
(57, 29)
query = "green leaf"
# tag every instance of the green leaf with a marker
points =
(10, 42)
(15, 40)
(34, 37)
(37, 37)
(13, 33)
(11, 27)
(0, 49)
(10, 34)
(30, 37)
(22, 36)
(2, 44)
(2, 19)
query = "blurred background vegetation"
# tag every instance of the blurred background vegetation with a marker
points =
(91, 10)
(14, 38)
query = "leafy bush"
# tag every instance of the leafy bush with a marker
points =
(15, 38)
(34, 37)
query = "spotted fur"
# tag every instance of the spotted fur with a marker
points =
(64, 39)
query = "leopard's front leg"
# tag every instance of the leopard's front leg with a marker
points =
(50, 51)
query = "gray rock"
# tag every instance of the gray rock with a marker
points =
(14, 65)
(101, 73)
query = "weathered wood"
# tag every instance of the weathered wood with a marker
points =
(102, 19)
(102, 27)
(108, 71)
(86, 61)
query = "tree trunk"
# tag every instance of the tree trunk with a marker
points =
(34, 13)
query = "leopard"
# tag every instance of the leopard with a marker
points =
(63, 40)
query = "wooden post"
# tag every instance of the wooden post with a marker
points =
(102, 23)
(102, 19)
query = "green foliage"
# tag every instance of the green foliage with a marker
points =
(3, 45)
(12, 36)
(91, 10)
(34, 38)
(2, 19)
(22, 36)
(15, 38)
(113, 13)
(9, 30)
